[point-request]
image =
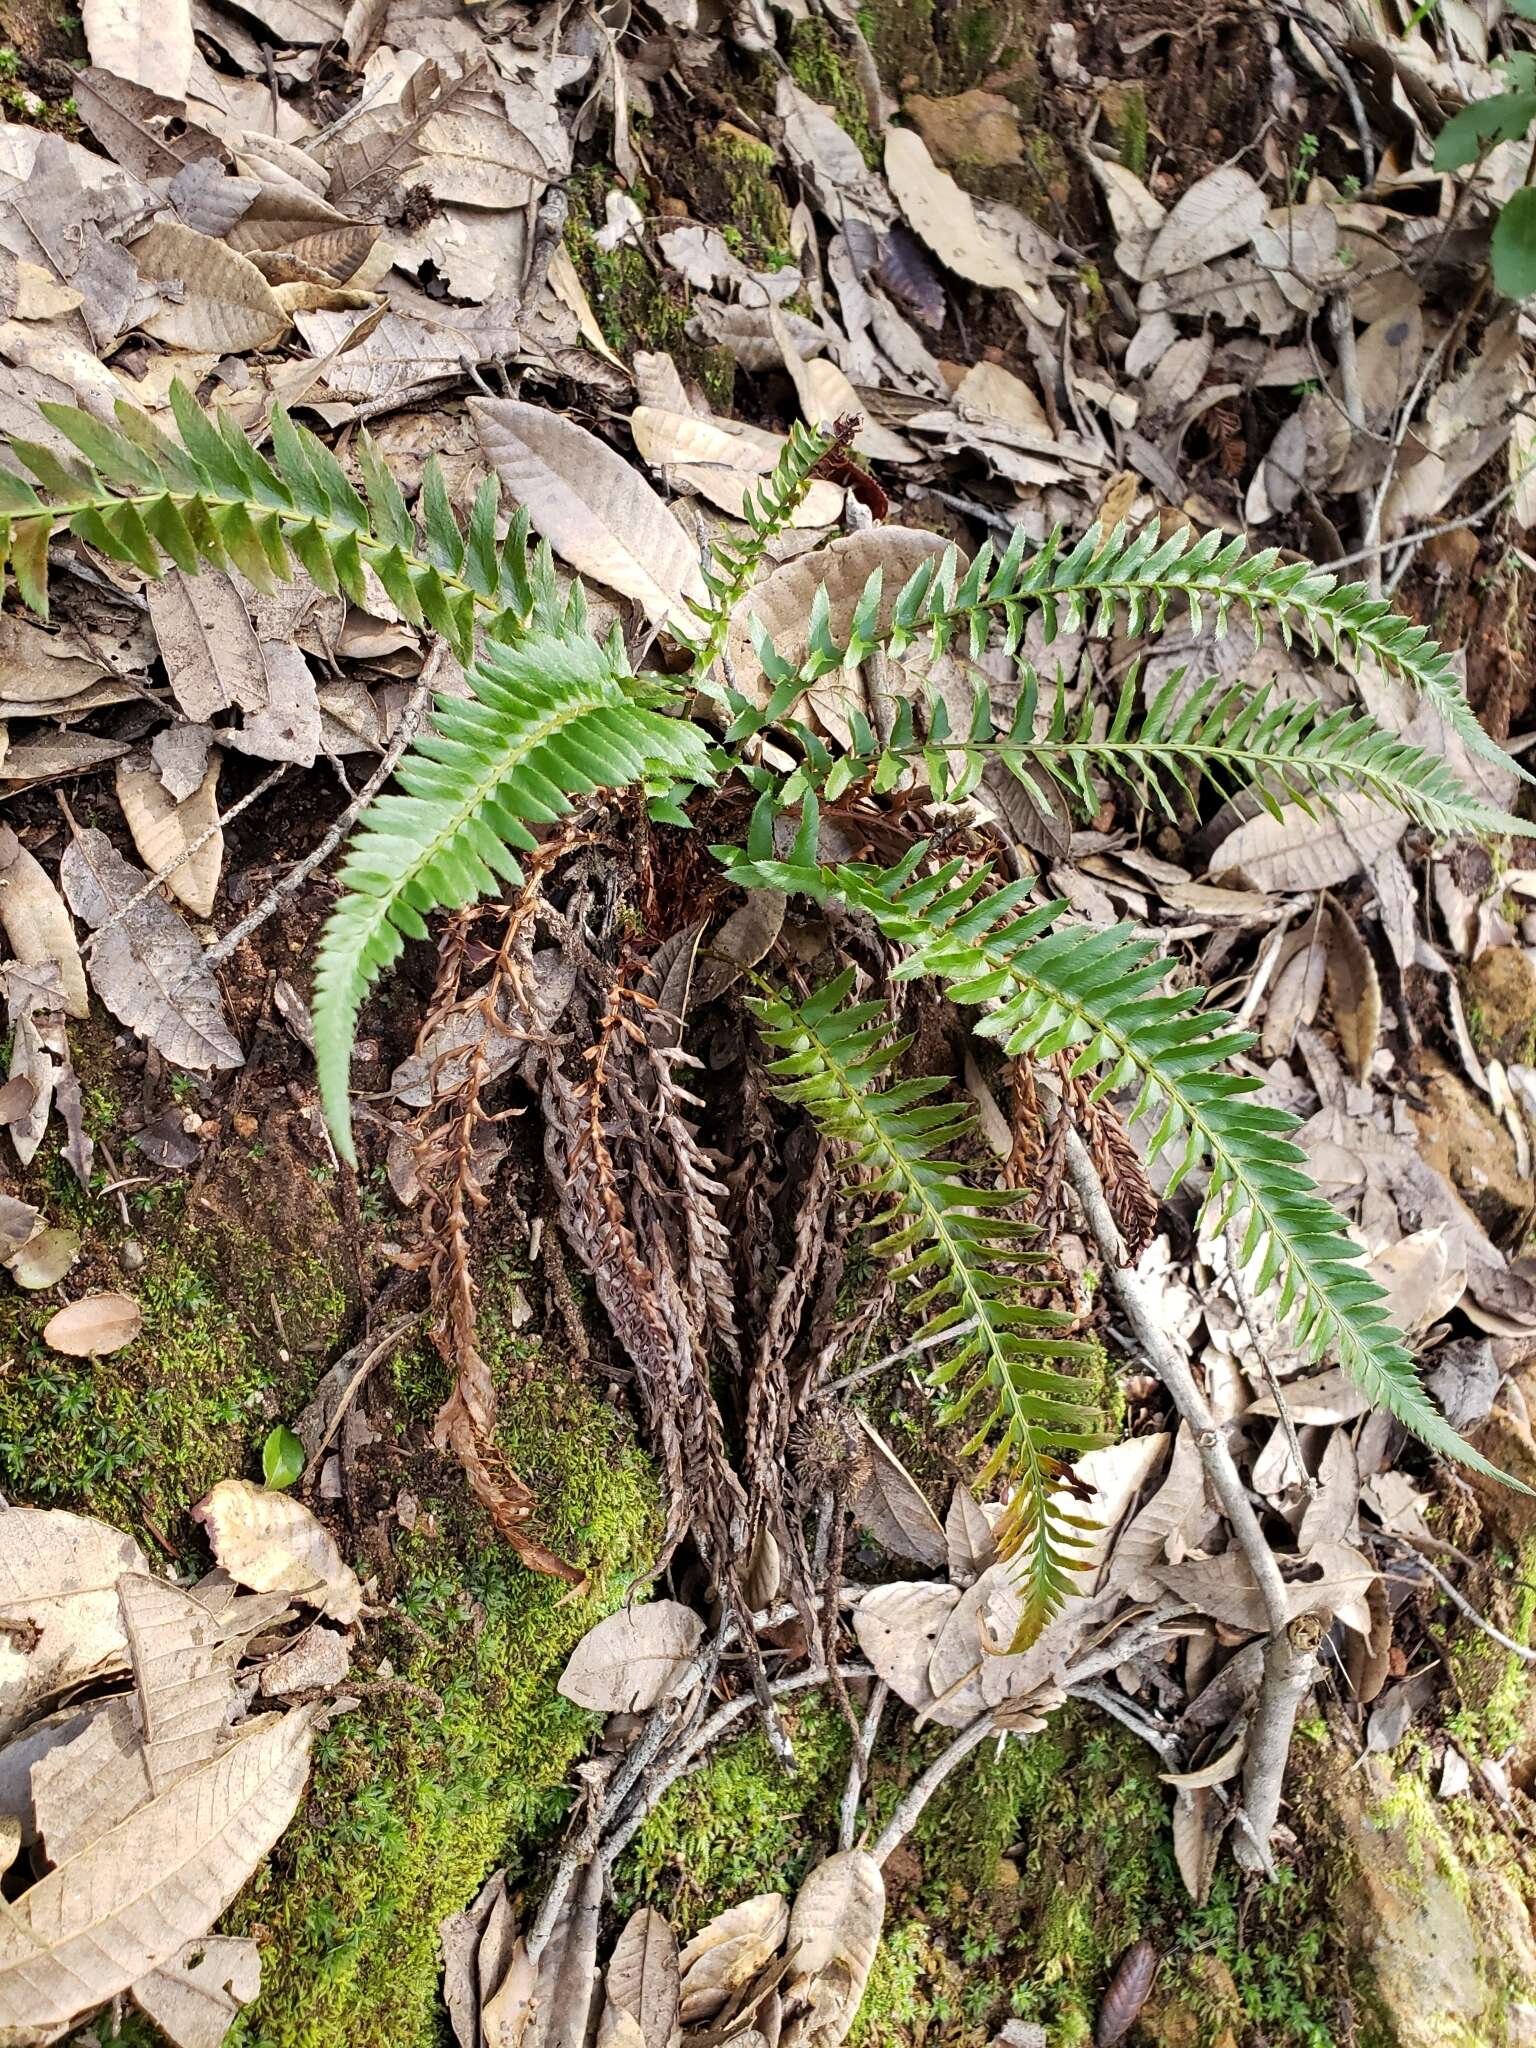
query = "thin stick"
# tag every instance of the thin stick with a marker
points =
(912, 1350)
(404, 733)
(1460, 1600)
(1290, 1661)
(918, 1794)
(391, 1340)
(195, 847)
(858, 1766)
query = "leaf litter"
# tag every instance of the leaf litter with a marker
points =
(269, 244)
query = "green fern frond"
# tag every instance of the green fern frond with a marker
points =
(1099, 995)
(1232, 738)
(547, 719)
(965, 1256)
(1114, 579)
(731, 565)
(213, 499)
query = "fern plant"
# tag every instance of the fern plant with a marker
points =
(553, 716)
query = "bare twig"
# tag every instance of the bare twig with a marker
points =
(858, 1765)
(405, 731)
(1460, 1601)
(1290, 1662)
(918, 1794)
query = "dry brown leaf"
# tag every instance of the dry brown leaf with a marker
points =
(45, 1257)
(719, 465)
(36, 922)
(643, 1980)
(1175, 1512)
(148, 42)
(1294, 851)
(147, 967)
(272, 1543)
(898, 1626)
(945, 216)
(729, 1952)
(94, 1326)
(1354, 993)
(42, 668)
(567, 1993)
(634, 1658)
(225, 303)
(1297, 988)
(834, 1933)
(195, 1998)
(1332, 1514)
(1424, 1275)
(131, 1902)
(1328, 1396)
(58, 1601)
(592, 506)
(826, 395)
(1199, 1822)
(782, 604)
(1219, 213)
(989, 389)
(163, 830)
(969, 1540)
(892, 1507)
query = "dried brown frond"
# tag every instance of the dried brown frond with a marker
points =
(1133, 1200)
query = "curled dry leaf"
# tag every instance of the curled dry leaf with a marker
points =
(165, 830)
(195, 1998)
(94, 1326)
(147, 967)
(58, 1605)
(223, 302)
(897, 1627)
(36, 922)
(729, 1952)
(634, 1658)
(272, 1543)
(591, 506)
(45, 1257)
(969, 1542)
(1354, 991)
(834, 1932)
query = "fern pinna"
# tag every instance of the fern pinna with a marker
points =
(551, 716)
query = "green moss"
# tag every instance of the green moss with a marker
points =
(635, 304)
(919, 48)
(735, 189)
(1493, 1686)
(819, 66)
(1133, 131)
(409, 1809)
(742, 1823)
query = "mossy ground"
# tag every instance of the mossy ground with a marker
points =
(819, 64)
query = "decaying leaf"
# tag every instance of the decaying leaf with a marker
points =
(165, 831)
(1294, 851)
(834, 1931)
(44, 1258)
(898, 1626)
(592, 506)
(728, 1953)
(634, 1658)
(643, 1980)
(720, 465)
(131, 1901)
(94, 1326)
(1354, 992)
(36, 923)
(195, 1998)
(222, 301)
(147, 967)
(892, 1507)
(271, 1542)
(59, 1605)
(148, 42)
(969, 1540)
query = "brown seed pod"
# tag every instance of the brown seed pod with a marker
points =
(1128, 1992)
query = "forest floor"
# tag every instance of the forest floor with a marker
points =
(1185, 263)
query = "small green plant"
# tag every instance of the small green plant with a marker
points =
(282, 1458)
(553, 716)
(1467, 138)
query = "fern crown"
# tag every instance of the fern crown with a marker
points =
(550, 716)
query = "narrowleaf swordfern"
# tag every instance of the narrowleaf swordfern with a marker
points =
(553, 716)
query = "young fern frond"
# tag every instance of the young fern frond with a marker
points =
(731, 565)
(214, 500)
(1230, 737)
(1085, 587)
(1099, 996)
(547, 719)
(1001, 1357)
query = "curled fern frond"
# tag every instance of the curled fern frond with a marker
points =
(1133, 580)
(214, 499)
(547, 719)
(1001, 1357)
(730, 565)
(1230, 737)
(1101, 996)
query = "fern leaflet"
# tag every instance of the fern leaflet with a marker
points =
(1098, 995)
(547, 719)
(835, 1062)
(1235, 739)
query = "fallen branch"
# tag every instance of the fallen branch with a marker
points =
(1290, 1660)
(858, 1766)
(916, 1797)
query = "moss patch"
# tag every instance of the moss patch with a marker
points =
(921, 48)
(819, 65)
(410, 1810)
